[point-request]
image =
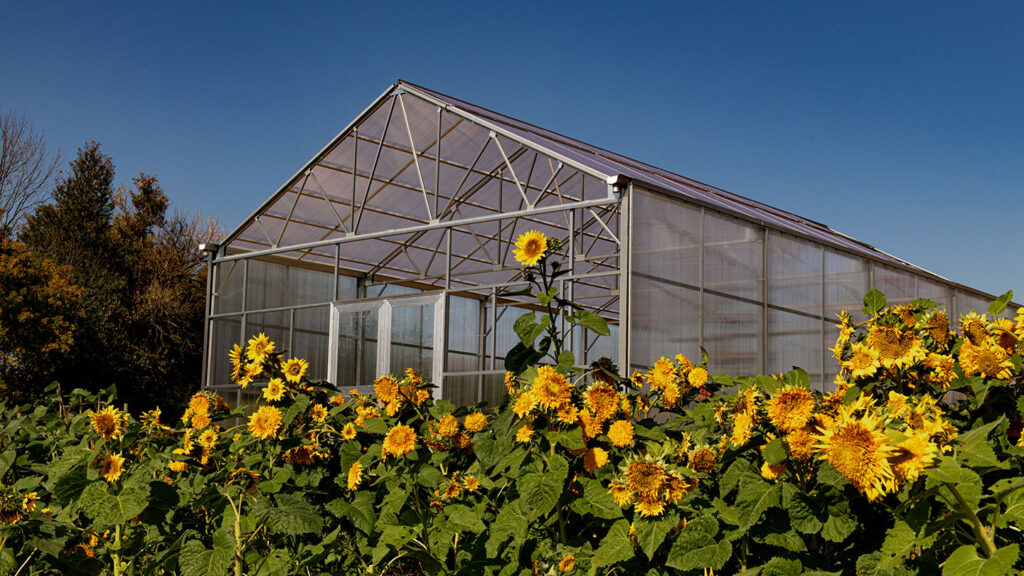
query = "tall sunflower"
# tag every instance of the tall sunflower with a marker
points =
(263, 423)
(259, 347)
(986, 358)
(235, 356)
(108, 423)
(294, 369)
(531, 247)
(620, 433)
(602, 401)
(912, 456)
(791, 408)
(274, 390)
(355, 476)
(896, 348)
(863, 361)
(399, 441)
(550, 388)
(112, 467)
(859, 450)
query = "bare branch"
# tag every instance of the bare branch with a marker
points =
(27, 170)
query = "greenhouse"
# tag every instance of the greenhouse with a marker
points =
(392, 249)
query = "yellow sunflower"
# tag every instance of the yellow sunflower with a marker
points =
(399, 441)
(801, 443)
(859, 450)
(698, 377)
(294, 369)
(863, 362)
(896, 348)
(318, 412)
(264, 422)
(602, 401)
(510, 383)
(568, 414)
(974, 328)
(348, 432)
(912, 456)
(199, 404)
(645, 477)
(567, 563)
(235, 356)
(471, 484)
(355, 476)
(524, 404)
(592, 427)
(386, 389)
(684, 364)
(620, 433)
(662, 374)
(208, 439)
(620, 493)
(274, 390)
(845, 331)
(742, 427)
(703, 460)
(524, 433)
(475, 422)
(594, 458)
(112, 467)
(791, 408)
(550, 388)
(448, 426)
(938, 328)
(108, 423)
(531, 247)
(259, 347)
(649, 506)
(771, 472)
(28, 503)
(176, 465)
(986, 358)
(253, 370)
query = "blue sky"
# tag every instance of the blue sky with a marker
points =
(900, 124)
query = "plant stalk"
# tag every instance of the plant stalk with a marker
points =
(117, 554)
(981, 535)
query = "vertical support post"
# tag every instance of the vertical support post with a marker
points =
(625, 302)
(211, 250)
(291, 332)
(337, 257)
(494, 329)
(763, 360)
(824, 321)
(245, 289)
(700, 283)
(481, 349)
(570, 290)
(383, 339)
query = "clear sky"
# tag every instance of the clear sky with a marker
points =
(898, 123)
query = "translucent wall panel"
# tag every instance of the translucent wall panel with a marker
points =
(846, 282)
(357, 348)
(733, 257)
(666, 239)
(794, 340)
(794, 273)
(831, 364)
(224, 333)
(463, 325)
(936, 292)
(732, 335)
(412, 339)
(227, 288)
(596, 346)
(665, 321)
(311, 339)
(898, 286)
(967, 302)
(266, 285)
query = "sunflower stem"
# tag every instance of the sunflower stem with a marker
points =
(981, 535)
(117, 555)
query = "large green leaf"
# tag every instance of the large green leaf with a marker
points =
(541, 490)
(775, 452)
(651, 533)
(696, 547)
(464, 518)
(779, 566)
(510, 522)
(753, 499)
(899, 542)
(964, 561)
(999, 305)
(360, 512)
(615, 547)
(591, 321)
(290, 515)
(596, 501)
(874, 301)
(107, 508)
(197, 560)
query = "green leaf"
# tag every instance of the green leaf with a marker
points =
(775, 452)
(273, 564)
(840, 523)
(107, 509)
(360, 512)
(290, 515)
(779, 566)
(521, 357)
(541, 490)
(464, 518)
(899, 542)
(197, 560)
(787, 540)
(696, 547)
(615, 547)
(754, 498)
(999, 305)
(566, 360)
(651, 533)
(947, 470)
(803, 516)
(527, 328)
(571, 439)
(591, 321)
(509, 523)
(7, 461)
(874, 301)
(596, 501)
(964, 561)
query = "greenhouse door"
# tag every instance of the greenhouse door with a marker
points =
(370, 338)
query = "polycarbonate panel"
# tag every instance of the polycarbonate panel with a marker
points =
(936, 292)
(972, 302)
(266, 285)
(732, 335)
(224, 333)
(463, 325)
(505, 337)
(733, 256)
(831, 364)
(597, 346)
(846, 282)
(666, 238)
(227, 289)
(311, 339)
(794, 340)
(412, 339)
(898, 286)
(794, 273)
(357, 349)
(665, 321)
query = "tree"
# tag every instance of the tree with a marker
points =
(26, 170)
(142, 276)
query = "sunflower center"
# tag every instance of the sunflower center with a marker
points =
(645, 477)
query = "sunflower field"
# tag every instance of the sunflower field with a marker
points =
(911, 465)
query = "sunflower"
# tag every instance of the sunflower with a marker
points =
(348, 432)
(649, 506)
(274, 390)
(524, 404)
(28, 503)
(620, 493)
(318, 412)
(448, 426)
(592, 427)
(620, 433)
(258, 349)
(670, 394)
(703, 460)
(399, 441)
(602, 401)
(986, 358)
(912, 456)
(938, 328)
(199, 404)
(742, 427)
(453, 491)
(567, 563)
(253, 370)
(304, 454)
(235, 356)
(801, 443)
(859, 450)
(208, 439)
(264, 422)
(896, 348)
(471, 484)
(108, 423)
(524, 433)
(112, 467)
(594, 458)
(845, 331)
(177, 465)
(791, 408)
(645, 477)
(550, 388)
(386, 389)
(355, 476)
(568, 414)
(698, 377)
(475, 422)
(772, 472)
(662, 374)
(683, 363)
(294, 369)
(972, 326)
(863, 362)
(530, 248)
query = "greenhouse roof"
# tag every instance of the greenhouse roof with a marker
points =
(417, 159)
